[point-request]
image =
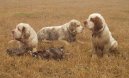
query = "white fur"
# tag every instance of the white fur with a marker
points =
(60, 30)
(106, 35)
(31, 41)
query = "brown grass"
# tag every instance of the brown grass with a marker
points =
(79, 64)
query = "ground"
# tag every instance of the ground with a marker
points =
(79, 63)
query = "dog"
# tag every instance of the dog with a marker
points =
(101, 36)
(26, 36)
(65, 32)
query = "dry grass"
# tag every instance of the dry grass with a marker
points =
(79, 64)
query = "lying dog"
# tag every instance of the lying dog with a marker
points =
(66, 32)
(26, 36)
(101, 36)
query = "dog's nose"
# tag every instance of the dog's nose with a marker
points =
(85, 22)
(13, 31)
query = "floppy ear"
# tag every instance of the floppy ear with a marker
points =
(25, 32)
(23, 29)
(72, 27)
(98, 23)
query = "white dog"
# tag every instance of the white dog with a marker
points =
(101, 36)
(66, 32)
(26, 36)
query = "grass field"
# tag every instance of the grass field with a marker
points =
(79, 64)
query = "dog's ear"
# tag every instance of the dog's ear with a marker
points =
(72, 23)
(72, 27)
(25, 32)
(97, 23)
(23, 29)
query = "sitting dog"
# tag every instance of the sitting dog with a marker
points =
(101, 36)
(26, 37)
(65, 32)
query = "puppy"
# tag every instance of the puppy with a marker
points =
(65, 32)
(101, 36)
(26, 37)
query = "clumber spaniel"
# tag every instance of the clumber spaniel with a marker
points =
(26, 36)
(101, 36)
(65, 32)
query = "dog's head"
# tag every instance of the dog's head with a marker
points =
(75, 26)
(95, 22)
(22, 31)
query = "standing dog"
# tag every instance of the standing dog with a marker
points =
(65, 32)
(26, 36)
(101, 36)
